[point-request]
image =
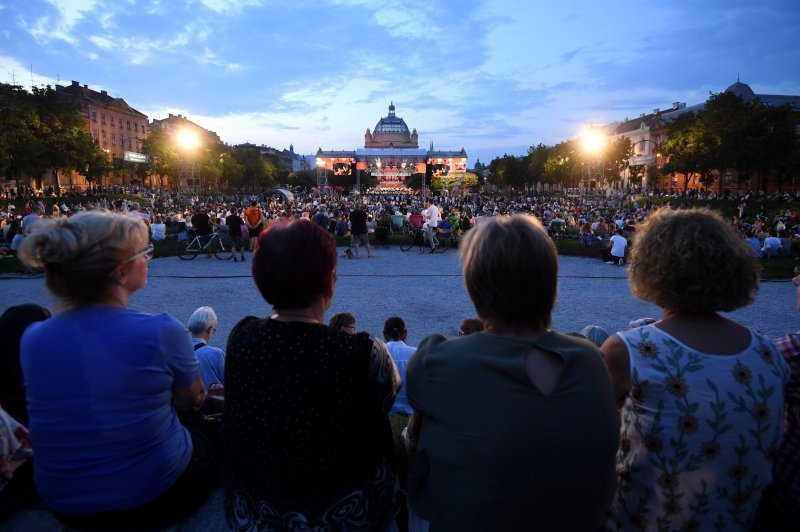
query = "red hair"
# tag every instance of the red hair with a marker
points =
(292, 263)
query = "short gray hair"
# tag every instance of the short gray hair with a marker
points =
(201, 319)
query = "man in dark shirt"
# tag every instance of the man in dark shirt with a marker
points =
(358, 228)
(201, 224)
(235, 223)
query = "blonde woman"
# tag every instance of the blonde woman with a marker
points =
(110, 449)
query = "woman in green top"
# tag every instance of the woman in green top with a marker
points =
(520, 427)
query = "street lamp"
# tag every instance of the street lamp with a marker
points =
(594, 142)
(189, 141)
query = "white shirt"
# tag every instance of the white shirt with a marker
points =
(618, 245)
(432, 215)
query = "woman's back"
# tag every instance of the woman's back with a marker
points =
(306, 430)
(698, 429)
(495, 450)
(99, 387)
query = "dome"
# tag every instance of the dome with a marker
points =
(391, 123)
(742, 90)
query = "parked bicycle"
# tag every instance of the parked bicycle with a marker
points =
(418, 237)
(213, 243)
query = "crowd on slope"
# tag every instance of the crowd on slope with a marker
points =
(690, 421)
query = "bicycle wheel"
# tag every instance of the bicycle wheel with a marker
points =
(185, 250)
(220, 250)
(407, 242)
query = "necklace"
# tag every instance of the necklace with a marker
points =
(283, 316)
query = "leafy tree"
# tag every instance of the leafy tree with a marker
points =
(163, 160)
(536, 162)
(616, 157)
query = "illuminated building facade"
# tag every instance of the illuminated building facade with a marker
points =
(391, 154)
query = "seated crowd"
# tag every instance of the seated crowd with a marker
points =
(687, 422)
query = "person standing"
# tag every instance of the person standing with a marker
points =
(235, 223)
(433, 216)
(358, 228)
(254, 218)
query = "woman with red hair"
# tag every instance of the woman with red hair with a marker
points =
(307, 441)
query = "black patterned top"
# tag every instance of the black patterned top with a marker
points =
(307, 442)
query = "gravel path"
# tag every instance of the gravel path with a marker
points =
(426, 290)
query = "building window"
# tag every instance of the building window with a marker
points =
(103, 119)
(113, 139)
(94, 135)
(136, 127)
(112, 121)
(103, 134)
(129, 125)
(93, 116)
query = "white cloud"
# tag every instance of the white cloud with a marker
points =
(229, 6)
(102, 42)
(70, 13)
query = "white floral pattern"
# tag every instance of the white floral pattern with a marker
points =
(698, 434)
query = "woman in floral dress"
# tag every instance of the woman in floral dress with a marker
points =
(702, 396)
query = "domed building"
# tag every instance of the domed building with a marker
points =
(391, 131)
(390, 155)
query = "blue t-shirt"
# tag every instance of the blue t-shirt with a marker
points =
(99, 384)
(212, 363)
(401, 353)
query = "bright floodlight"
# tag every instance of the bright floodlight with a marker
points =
(593, 141)
(187, 139)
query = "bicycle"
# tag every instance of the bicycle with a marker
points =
(189, 250)
(419, 237)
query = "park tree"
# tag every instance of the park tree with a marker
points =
(20, 146)
(564, 165)
(163, 160)
(616, 156)
(535, 163)
(507, 171)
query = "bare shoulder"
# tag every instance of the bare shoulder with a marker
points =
(615, 353)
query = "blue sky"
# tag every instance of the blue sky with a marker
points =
(493, 77)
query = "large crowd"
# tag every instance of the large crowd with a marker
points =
(117, 419)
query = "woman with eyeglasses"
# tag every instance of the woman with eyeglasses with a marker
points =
(104, 383)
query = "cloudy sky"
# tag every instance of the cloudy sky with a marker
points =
(492, 76)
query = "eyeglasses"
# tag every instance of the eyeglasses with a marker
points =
(147, 253)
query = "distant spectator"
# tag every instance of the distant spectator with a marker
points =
(469, 326)
(343, 322)
(255, 220)
(614, 253)
(754, 243)
(158, 230)
(395, 335)
(772, 245)
(234, 222)
(202, 325)
(595, 334)
(321, 218)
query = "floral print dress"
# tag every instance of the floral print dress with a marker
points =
(698, 434)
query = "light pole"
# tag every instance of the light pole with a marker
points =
(594, 143)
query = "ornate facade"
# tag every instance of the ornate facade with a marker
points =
(391, 154)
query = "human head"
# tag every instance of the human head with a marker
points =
(201, 321)
(343, 322)
(469, 326)
(80, 254)
(595, 334)
(691, 260)
(394, 329)
(510, 268)
(294, 263)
